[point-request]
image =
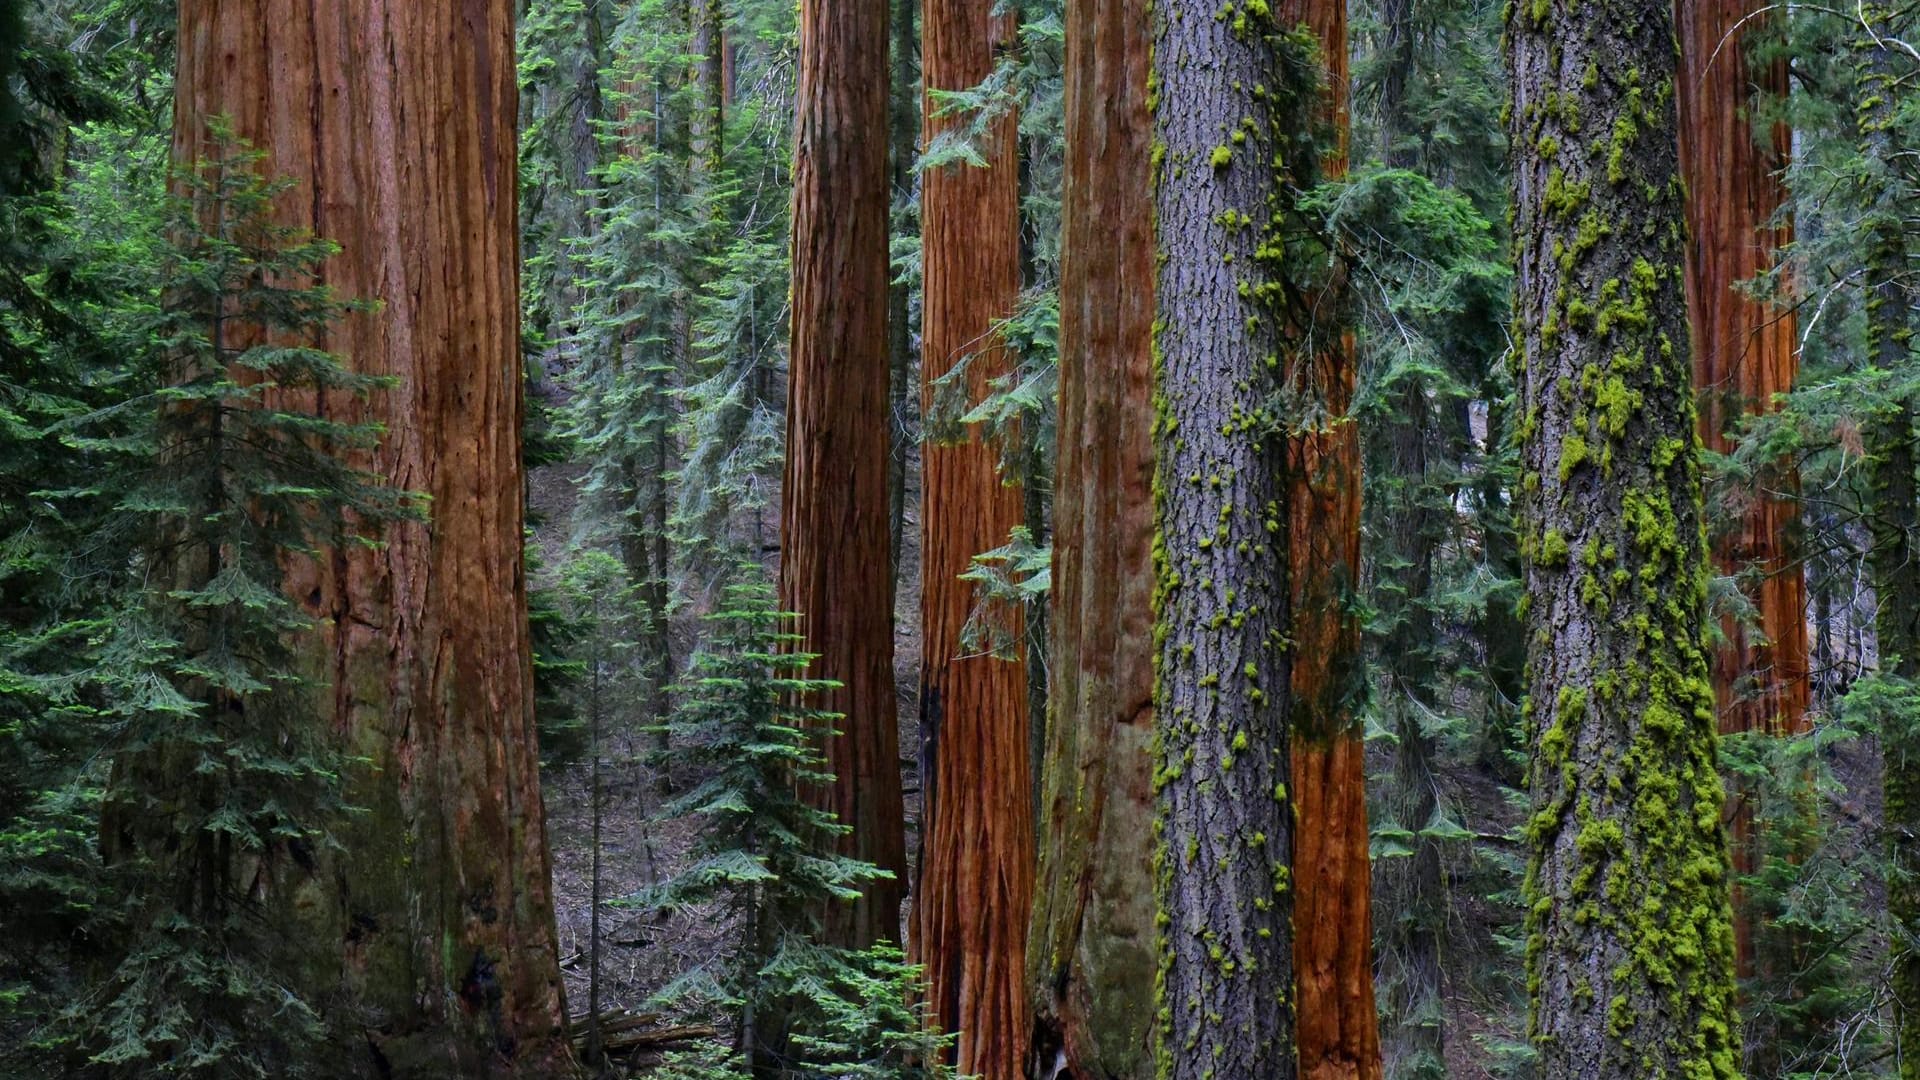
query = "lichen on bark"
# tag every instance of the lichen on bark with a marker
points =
(1630, 942)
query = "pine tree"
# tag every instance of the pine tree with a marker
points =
(1630, 941)
(764, 854)
(224, 780)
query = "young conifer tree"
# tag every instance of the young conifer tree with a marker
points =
(224, 782)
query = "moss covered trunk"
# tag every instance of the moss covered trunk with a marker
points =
(398, 121)
(1744, 353)
(1090, 958)
(1225, 819)
(1630, 940)
(1895, 517)
(1339, 1029)
(975, 891)
(834, 564)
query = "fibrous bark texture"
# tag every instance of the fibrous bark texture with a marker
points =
(1630, 940)
(1090, 958)
(1225, 821)
(1744, 350)
(1744, 354)
(1339, 1028)
(398, 121)
(976, 884)
(833, 519)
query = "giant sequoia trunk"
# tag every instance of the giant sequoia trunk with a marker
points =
(1744, 354)
(833, 518)
(1225, 821)
(1090, 959)
(398, 121)
(1339, 1029)
(976, 884)
(1630, 942)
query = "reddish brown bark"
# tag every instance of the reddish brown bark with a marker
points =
(833, 520)
(1744, 354)
(1091, 962)
(1338, 1027)
(976, 884)
(398, 121)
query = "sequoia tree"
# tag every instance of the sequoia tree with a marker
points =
(1090, 958)
(1745, 353)
(976, 881)
(834, 565)
(1223, 101)
(398, 122)
(1630, 940)
(1339, 1030)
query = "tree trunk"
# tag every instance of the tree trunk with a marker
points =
(834, 566)
(1412, 891)
(1339, 1030)
(976, 887)
(904, 135)
(1895, 521)
(1090, 956)
(1744, 354)
(1225, 821)
(1630, 941)
(398, 121)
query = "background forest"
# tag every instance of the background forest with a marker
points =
(935, 538)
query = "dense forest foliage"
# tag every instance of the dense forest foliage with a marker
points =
(915, 539)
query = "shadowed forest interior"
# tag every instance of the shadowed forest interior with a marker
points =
(941, 539)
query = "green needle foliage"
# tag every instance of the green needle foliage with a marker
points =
(224, 786)
(762, 859)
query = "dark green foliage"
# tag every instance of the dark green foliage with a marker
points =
(762, 860)
(224, 783)
(1806, 1009)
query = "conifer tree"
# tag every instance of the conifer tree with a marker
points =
(1229, 92)
(1630, 940)
(443, 885)
(1091, 949)
(225, 783)
(975, 887)
(835, 571)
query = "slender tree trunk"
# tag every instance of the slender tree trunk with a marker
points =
(1630, 940)
(905, 134)
(1090, 956)
(834, 566)
(398, 121)
(1895, 522)
(1412, 891)
(976, 886)
(1225, 818)
(1339, 1029)
(1744, 354)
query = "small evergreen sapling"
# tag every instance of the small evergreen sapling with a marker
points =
(225, 783)
(762, 858)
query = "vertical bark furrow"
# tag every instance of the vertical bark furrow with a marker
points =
(1224, 828)
(1339, 1028)
(976, 887)
(399, 122)
(834, 563)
